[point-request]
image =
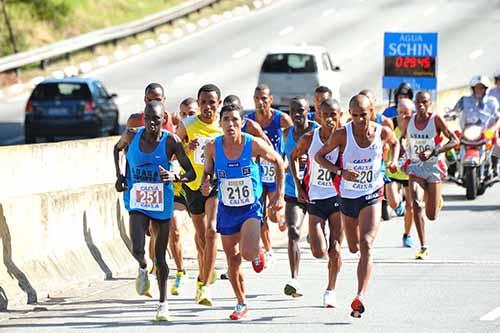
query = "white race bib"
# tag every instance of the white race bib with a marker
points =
(365, 176)
(147, 196)
(322, 177)
(199, 153)
(419, 146)
(269, 175)
(237, 192)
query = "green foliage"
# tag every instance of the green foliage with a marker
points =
(54, 11)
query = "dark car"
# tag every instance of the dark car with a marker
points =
(70, 107)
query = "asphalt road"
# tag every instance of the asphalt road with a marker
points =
(456, 290)
(230, 54)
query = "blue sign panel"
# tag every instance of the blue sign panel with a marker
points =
(412, 58)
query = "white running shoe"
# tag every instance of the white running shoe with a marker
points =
(292, 288)
(329, 299)
(162, 312)
(142, 283)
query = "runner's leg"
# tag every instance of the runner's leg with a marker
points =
(180, 214)
(137, 226)
(432, 203)
(233, 257)
(317, 237)
(334, 257)
(294, 216)
(210, 250)
(415, 184)
(161, 245)
(264, 231)
(199, 222)
(369, 219)
(351, 232)
(408, 218)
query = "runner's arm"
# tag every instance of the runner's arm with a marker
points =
(389, 139)
(452, 138)
(301, 149)
(256, 130)
(337, 139)
(122, 144)
(387, 122)
(208, 169)
(285, 121)
(262, 149)
(179, 152)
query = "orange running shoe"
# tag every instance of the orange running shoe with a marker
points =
(357, 307)
(259, 262)
(239, 312)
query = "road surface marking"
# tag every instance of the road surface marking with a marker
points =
(492, 315)
(476, 54)
(286, 31)
(328, 12)
(241, 53)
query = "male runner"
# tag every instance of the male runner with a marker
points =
(295, 211)
(153, 92)
(272, 122)
(149, 193)
(196, 132)
(321, 195)
(231, 159)
(321, 93)
(426, 169)
(361, 143)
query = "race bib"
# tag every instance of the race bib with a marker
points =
(147, 196)
(199, 153)
(419, 146)
(269, 175)
(322, 177)
(365, 176)
(237, 192)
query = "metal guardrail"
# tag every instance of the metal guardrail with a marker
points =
(103, 36)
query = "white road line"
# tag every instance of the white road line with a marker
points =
(286, 30)
(492, 315)
(241, 53)
(328, 12)
(476, 54)
(17, 139)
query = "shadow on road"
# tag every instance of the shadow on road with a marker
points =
(12, 268)
(94, 250)
(476, 208)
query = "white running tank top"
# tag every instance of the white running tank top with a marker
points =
(366, 161)
(421, 140)
(318, 179)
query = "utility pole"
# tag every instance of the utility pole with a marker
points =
(9, 26)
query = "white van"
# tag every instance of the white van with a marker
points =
(297, 71)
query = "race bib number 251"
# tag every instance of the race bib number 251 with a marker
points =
(147, 196)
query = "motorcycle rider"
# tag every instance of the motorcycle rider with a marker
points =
(478, 104)
(495, 92)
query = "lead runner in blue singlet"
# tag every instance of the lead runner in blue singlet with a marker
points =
(360, 143)
(231, 158)
(149, 195)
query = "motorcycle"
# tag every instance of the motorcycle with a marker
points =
(473, 162)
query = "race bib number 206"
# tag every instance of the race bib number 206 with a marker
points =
(147, 196)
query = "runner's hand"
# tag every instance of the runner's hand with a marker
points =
(392, 167)
(121, 183)
(206, 187)
(167, 176)
(277, 202)
(302, 196)
(193, 144)
(425, 155)
(350, 175)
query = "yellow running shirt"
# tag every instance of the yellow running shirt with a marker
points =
(399, 175)
(197, 129)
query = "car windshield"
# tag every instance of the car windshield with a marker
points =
(49, 91)
(289, 63)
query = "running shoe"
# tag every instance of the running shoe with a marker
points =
(422, 254)
(329, 299)
(240, 310)
(199, 284)
(162, 313)
(142, 283)
(203, 298)
(407, 241)
(259, 262)
(180, 278)
(292, 288)
(400, 209)
(357, 307)
(269, 259)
